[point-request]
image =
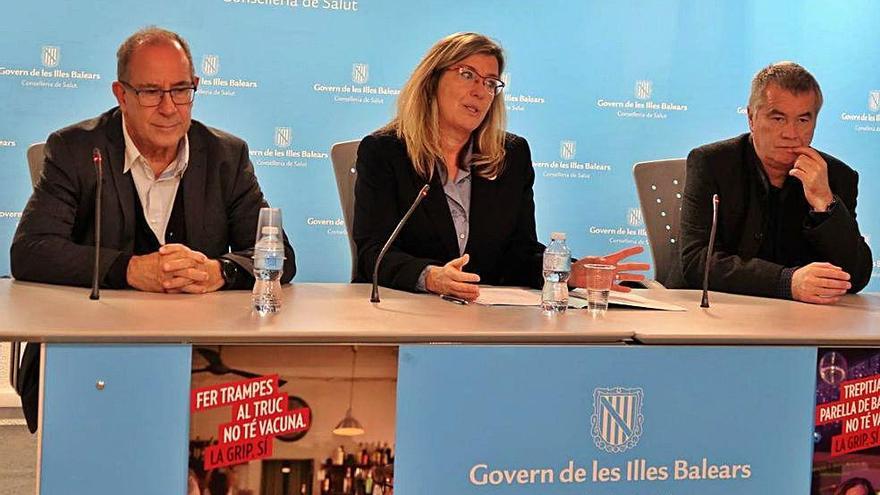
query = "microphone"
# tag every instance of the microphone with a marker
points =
(99, 170)
(705, 302)
(374, 296)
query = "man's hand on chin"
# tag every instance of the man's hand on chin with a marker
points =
(810, 168)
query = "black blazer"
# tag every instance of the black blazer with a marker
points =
(55, 237)
(730, 169)
(503, 246)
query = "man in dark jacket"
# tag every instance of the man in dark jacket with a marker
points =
(180, 199)
(787, 215)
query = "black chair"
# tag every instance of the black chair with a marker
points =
(660, 185)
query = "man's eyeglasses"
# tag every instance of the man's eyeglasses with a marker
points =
(152, 97)
(468, 73)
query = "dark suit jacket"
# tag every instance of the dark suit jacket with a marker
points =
(503, 246)
(55, 237)
(729, 169)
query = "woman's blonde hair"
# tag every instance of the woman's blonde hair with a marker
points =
(417, 120)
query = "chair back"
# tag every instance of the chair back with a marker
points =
(35, 157)
(344, 155)
(660, 185)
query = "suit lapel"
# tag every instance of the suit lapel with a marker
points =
(194, 186)
(437, 210)
(115, 158)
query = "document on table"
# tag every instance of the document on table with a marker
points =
(508, 296)
(629, 299)
(513, 296)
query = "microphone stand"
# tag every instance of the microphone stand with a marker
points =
(99, 170)
(705, 301)
(374, 295)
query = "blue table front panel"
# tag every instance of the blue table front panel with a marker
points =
(130, 437)
(474, 420)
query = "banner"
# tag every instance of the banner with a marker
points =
(265, 420)
(847, 436)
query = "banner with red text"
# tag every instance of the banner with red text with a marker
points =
(264, 420)
(846, 458)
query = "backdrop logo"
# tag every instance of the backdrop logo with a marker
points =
(634, 217)
(357, 91)
(360, 73)
(505, 78)
(567, 150)
(50, 56)
(212, 84)
(866, 121)
(49, 75)
(643, 104)
(644, 89)
(519, 101)
(282, 153)
(210, 65)
(874, 100)
(282, 137)
(617, 418)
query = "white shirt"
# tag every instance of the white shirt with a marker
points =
(156, 194)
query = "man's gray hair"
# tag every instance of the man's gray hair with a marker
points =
(149, 35)
(788, 76)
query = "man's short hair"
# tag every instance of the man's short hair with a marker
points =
(149, 35)
(788, 76)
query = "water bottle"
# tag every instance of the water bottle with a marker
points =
(268, 265)
(557, 268)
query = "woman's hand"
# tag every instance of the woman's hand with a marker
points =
(621, 270)
(449, 279)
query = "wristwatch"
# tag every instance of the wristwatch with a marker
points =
(229, 272)
(828, 208)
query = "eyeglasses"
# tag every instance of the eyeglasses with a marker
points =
(152, 97)
(468, 73)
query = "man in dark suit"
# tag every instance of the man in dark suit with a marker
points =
(787, 217)
(180, 199)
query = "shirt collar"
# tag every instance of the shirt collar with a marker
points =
(132, 154)
(463, 173)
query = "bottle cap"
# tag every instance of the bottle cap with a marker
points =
(270, 230)
(557, 236)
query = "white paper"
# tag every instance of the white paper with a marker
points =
(514, 296)
(508, 296)
(631, 299)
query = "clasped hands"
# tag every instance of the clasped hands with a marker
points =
(450, 279)
(174, 268)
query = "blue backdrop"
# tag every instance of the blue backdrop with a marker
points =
(294, 76)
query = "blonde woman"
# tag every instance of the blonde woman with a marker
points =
(477, 223)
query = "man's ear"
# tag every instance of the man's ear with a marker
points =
(119, 92)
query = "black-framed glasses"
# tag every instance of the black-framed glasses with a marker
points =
(468, 73)
(152, 97)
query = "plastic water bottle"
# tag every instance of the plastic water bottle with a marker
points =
(557, 269)
(268, 265)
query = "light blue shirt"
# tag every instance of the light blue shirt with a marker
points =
(458, 197)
